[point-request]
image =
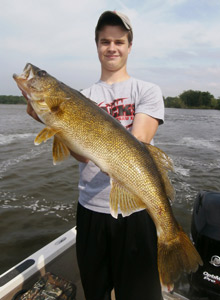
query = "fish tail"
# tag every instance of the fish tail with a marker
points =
(174, 257)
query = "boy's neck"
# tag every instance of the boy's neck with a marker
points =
(113, 77)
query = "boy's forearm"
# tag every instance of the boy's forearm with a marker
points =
(78, 157)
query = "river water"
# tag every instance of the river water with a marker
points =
(38, 200)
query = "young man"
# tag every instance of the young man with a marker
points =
(119, 254)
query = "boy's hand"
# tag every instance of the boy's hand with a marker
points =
(30, 109)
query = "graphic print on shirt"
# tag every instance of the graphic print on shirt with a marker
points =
(124, 113)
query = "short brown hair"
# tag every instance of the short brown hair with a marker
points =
(110, 18)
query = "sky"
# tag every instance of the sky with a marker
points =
(176, 42)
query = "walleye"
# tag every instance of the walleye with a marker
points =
(138, 172)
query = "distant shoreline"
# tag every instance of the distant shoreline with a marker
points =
(13, 103)
(4, 99)
(209, 108)
(188, 99)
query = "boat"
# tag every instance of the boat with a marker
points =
(59, 258)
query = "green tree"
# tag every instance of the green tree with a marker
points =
(187, 98)
(195, 99)
(175, 102)
(12, 99)
(218, 103)
(206, 99)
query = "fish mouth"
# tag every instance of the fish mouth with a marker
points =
(23, 79)
(28, 73)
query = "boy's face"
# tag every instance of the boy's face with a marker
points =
(113, 48)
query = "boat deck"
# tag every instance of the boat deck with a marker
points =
(59, 258)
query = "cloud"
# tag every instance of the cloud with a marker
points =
(173, 39)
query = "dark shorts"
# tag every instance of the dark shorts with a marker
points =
(117, 253)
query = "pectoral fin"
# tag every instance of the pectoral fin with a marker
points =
(60, 151)
(123, 199)
(44, 135)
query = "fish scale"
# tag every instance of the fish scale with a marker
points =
(138, 172)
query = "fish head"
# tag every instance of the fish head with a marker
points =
(40, 88)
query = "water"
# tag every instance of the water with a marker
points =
(38, 200)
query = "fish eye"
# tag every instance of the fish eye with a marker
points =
(41, 73)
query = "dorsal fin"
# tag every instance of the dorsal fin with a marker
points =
(164, 164)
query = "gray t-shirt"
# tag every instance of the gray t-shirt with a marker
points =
(122, 100)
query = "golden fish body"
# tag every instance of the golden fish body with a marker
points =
(138, 172)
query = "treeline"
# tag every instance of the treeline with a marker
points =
(188, 99)
(12, 100)
(193, 99)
